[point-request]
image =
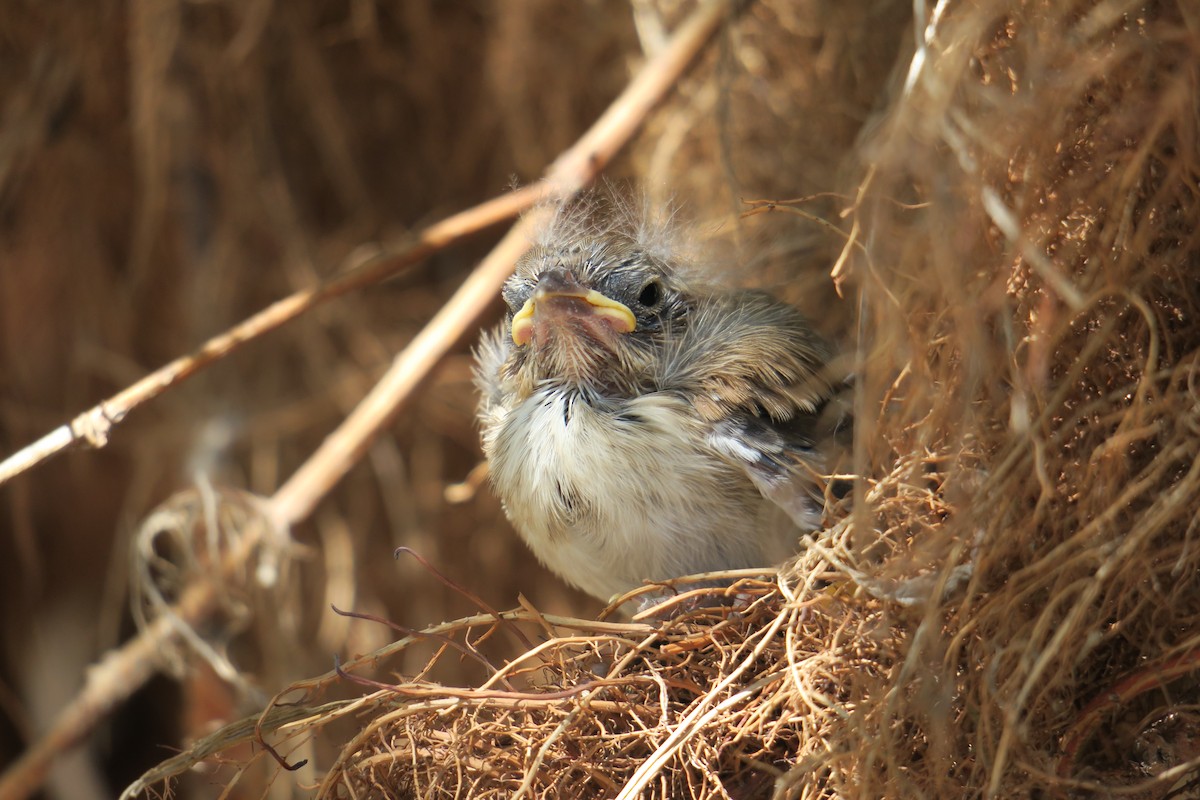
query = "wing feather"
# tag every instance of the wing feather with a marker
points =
(759, 375)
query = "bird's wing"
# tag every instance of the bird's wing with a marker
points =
(757, 374)
(782, 467)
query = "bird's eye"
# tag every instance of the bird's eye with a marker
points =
(651, 293)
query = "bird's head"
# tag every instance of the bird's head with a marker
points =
(592, 313)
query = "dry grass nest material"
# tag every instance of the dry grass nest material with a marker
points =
(1007, 606)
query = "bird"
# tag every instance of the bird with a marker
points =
(641, 421)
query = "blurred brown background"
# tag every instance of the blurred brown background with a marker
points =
(168, 168)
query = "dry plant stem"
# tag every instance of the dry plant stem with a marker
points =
(113, 679)
(135, 661)
(343, 448)
(132, 665)
(93, 427)
(282, 718)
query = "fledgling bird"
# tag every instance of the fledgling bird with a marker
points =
(641, 423)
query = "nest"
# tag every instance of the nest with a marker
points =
(1006, 605)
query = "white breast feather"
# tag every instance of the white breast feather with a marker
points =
(605, 511)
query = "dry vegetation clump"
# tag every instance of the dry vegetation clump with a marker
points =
(731, 695)
(1032, 333)
(703, 705)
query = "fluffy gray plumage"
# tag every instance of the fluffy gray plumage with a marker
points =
(630, 455)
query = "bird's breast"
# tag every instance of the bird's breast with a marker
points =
(611, 495)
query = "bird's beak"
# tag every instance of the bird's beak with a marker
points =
(554, 288)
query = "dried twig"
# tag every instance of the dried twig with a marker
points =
(94, 426)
